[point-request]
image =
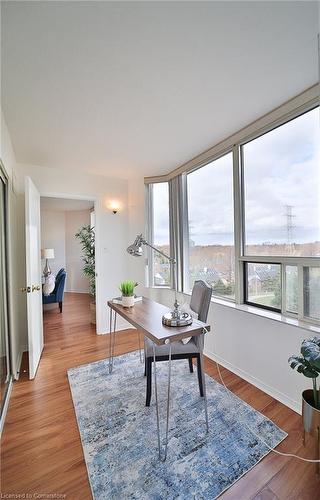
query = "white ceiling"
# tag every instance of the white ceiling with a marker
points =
(138, 88)
(64, 205)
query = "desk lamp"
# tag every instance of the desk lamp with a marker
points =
(176, 317)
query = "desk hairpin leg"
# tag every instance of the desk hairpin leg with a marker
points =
(140, 352)
(204, 384)
(112, 337)
(162, 456)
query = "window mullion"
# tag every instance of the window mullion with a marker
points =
(184, 236)
(283, 289)
(149, 233)
(238, 226)
(300, 292)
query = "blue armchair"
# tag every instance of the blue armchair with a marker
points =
(57, 294)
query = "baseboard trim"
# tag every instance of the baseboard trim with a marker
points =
(19, 361)
(279, 396)
(77, 291)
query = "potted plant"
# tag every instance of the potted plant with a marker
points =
(309, 365)
(86, 236)
(127, 290)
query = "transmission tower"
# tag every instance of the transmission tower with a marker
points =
(290, 225)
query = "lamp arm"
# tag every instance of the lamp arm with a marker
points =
(171, 259)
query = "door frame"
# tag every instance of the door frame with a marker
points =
(84, 197)
(7, 215)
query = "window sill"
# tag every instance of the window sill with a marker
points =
(275, 316)
(264, 313)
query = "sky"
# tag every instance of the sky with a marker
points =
(281, 168)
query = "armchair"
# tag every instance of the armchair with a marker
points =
(57, 295)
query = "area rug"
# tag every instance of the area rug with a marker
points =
(119, 434)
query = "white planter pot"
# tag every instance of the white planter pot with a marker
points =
(311, 422)
(127, 301)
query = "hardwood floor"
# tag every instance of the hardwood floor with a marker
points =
(41, 450)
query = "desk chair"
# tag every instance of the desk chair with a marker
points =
(199, 304)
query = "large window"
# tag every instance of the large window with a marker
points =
(248, 221)
(161, 233)
(281, 171)
(281, 208)
(210, 216)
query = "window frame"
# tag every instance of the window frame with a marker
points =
(301, 104)
(255, 304)
(149, 230)
(301, 292)
(186, 219)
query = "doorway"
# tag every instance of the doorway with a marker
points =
(67, 263)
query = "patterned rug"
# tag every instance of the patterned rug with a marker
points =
(119, 434)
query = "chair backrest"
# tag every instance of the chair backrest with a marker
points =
(62, 270)
(200, 299)
(60, 282)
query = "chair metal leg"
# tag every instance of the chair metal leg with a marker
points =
(204, 386)
(317, 445)
(148, 368)
(190, 365)
(162, 456)
(200, 378)
(60, 307)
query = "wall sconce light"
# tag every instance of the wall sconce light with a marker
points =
(114, 206)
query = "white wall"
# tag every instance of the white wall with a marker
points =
(136, 206)
(254, 347)
(53, 235)
(112, 230)
(76, 281)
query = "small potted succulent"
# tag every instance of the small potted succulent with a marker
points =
(309, 365)
(127, 290)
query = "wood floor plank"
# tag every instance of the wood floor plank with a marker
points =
(41, 450)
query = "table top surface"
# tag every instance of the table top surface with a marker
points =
(146, 315)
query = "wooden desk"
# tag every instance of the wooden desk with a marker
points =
(146, 316)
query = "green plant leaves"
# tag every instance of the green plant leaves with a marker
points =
(309, 364)
(127, 288)
(310, 350)
(86, 236)
(302, 366)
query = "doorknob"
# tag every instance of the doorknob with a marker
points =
(26, 289)
(35, 287)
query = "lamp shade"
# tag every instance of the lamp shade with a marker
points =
(47, 253)
(136, 248)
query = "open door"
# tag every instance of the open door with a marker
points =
(33, 274)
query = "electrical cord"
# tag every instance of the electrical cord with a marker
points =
(292, 455)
